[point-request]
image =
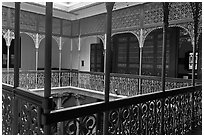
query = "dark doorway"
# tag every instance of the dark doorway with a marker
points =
(97, 57)
(4, 53)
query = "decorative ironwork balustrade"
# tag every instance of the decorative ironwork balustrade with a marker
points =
(21, 111)
(121, 84)
(175, 111)
(140, 115)
(91, 80)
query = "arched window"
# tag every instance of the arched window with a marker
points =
(177, 53)
(97, 57)
(126, 51)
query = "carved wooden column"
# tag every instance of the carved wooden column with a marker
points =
(48, 61)
(109, 8)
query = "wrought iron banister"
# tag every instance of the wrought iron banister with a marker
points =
(136, 115)
(21, 111)
(87, 109)
(122, 84)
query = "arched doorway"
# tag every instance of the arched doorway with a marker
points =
(178, 48)
(97, 56)
(125, 54)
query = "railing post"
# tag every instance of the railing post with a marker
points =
(109, 8)
(48, 61)
(165, 27)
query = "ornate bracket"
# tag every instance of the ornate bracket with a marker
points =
(9, 35)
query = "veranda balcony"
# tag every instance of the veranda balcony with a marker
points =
(138, 105)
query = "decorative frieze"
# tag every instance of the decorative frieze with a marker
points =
(126, 18)
(95, 24)
(41, 22)
(28, 21)
(56, 26)
(153, 13)
(4, 17)
(12, 18)
(180, 11)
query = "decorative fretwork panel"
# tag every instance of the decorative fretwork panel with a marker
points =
(95, 24)
(55, 79)
(74, 79)
(81, 126)
(4, 17)
(124, 121)
(40, 82)
(177, 114)
(66, 27)
(120, 84)
(7, 116)
(91, 81)
(29, 119)
(27, 80)
(65, 79)
(198, 107)
(126, 18)
(28, 21)
(153, 13)
(12, 18)
(180, 11)
(41, 22)
(56, 26)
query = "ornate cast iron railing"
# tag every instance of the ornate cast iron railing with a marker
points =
(182, 108)
(121, 84)
(140, 115)
(21, 111)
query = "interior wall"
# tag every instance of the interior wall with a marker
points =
(75, 57)
(66, 54)
(27, 52)
(55, 54)
(85, 52)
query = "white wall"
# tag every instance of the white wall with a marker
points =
(55, 54)
(75, 59)
(27, 52)
(85, 52)
(66, 54)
